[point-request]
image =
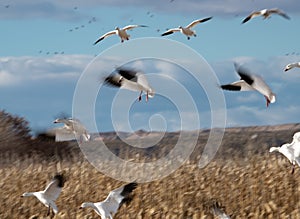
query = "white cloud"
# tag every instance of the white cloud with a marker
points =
(25, 69)
(57, 76)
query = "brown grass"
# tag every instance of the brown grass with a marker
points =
(260, 187)
(247, 180)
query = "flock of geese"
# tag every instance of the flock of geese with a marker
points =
(137, 81)
(105, 209)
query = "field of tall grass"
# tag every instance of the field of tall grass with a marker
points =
(244, 177)
(258, 187)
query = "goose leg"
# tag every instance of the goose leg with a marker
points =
(140, 96)
(293, 169)
(48, 213)
(268, 101)
(147, 97)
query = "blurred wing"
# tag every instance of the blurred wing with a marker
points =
(129, 27)
(287, 151)
(105, 35)
(195, 22)
(52, 190)
(252, 15)
(142, 80)
(240, 85)
(128, 74)
(277, 11)
(243, 73)
(113, 80)
(63, 134)
(170, 31)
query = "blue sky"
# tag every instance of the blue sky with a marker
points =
(46, 46)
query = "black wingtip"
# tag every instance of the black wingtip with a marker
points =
(166, 33)
(206, 19)
(60, 178)
(245, 20)
(128, 188)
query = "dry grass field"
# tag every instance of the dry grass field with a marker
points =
(259, 187)
(247, 180)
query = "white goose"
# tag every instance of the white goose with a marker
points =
(187, 29)
(109, 207)
(121, 32)
(250, 82)
(50, 194)
(292, 65)
(290, 150)
(218, 212)
(72, 129)
(266, 13)
(130, 80)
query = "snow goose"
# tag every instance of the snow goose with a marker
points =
(266, 13)
(72, 129)
(290, 150)
(50, 194)
(109, 207)
(187, 29)
(292, 65)
(130, 80)
(121, 32)
(218, 212)
(250, 82)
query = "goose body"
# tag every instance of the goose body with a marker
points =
(50, 194)
(121, 32)
(265, 13)
(187, 30)
(250, 82)
(72, 129)
(130, 80)
(109, 207)
(292, 65)
(290, 150)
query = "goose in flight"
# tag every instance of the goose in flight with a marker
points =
(109, 207)
(50, 194)
(187, 30)
(72, 129)
(121, 32)
(130, 80)
(290, 150)
(292, 65)
(250, 82)
(266, 13)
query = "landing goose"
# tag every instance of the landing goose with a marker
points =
(292, 65)
(109, 207)
(187, 29)
(250, 82)
(121, 32)
(131, 80)
(50, 194)
(72, 129)
(266, 13)
(290, 150)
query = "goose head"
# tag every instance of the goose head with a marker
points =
(288, 67)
